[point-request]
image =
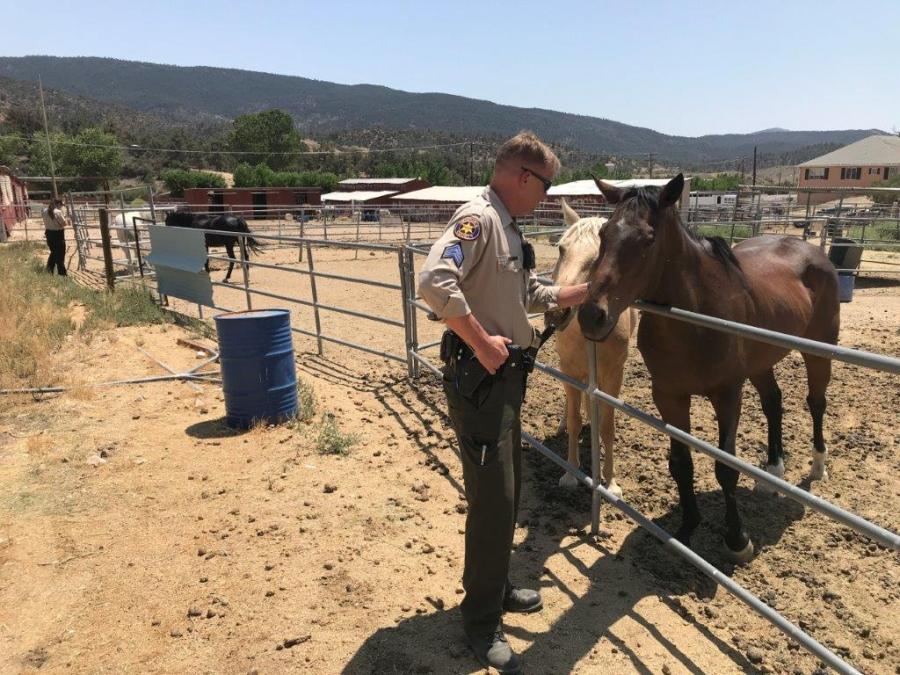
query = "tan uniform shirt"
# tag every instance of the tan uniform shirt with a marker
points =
(476, 266)
(58, 222)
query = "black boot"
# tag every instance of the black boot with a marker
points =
(492, 650)
(521, 600)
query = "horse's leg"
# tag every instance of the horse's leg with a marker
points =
(229, 249)
(770, 397)
(610, 379)
(818, 373)
(561, 427)
(675, 409)
(573, 425)
(727, 404)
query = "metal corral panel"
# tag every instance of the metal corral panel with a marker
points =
(179, 257)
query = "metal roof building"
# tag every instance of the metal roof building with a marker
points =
(358, 197)
(441, 194)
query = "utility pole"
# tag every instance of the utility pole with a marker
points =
(754, 166)
(471, 163)
(49, 147)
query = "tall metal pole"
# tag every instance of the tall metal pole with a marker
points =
(49, 148)
(754, 166)
(471, 164)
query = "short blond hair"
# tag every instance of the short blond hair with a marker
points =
(526, 147)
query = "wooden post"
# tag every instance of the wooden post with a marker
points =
(107, 249)
(315, 296)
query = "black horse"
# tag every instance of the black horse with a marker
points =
(210, 222)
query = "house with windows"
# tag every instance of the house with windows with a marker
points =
(860, 164)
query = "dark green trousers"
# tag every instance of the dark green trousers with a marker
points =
(488, 429)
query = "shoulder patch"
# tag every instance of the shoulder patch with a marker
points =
(454, 252)
(468, 229)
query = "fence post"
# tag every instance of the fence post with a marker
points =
(107, 249)
(152, 204)
(407, 310)
(315, 296)
(244, 268)
(595, 436)
(2, 230)
(302, 228)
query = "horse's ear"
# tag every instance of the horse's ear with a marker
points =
(612, 194)
(569, 215)
(671, 193)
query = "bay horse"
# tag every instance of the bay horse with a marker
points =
(578, 249)
(227, 223)
(775, 282)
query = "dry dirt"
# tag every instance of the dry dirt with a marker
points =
(193, 547)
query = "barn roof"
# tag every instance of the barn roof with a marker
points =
(370, 181)
(584, 188)
(875, 150)
(443, 193)
(356, 195)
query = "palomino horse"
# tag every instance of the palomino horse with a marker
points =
(217, 222)
(578, 249)
(779, 283)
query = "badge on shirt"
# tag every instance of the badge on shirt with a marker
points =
(467, 229)
(454, 252)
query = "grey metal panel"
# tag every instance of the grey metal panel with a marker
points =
(179, 257)
(191, 286)
(177, 247)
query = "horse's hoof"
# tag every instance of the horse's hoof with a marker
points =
(818, 470)
(568, 481)
(776, 470)
(613, 487)
(742, 556)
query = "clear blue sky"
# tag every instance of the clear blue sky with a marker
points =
(682, 67)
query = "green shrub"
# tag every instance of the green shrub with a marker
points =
(179, 180)
(331, 440)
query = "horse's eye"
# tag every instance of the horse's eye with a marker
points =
(562, 250)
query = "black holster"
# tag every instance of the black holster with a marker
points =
(471, 378)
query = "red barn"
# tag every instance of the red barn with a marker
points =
(258, 202)
(13, 199)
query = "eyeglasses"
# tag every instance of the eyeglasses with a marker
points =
(546, 183)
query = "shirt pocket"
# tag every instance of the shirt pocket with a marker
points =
(507, 263)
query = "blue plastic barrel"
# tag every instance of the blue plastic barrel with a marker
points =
(259, 379)
(845, 286)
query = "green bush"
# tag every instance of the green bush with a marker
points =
(262, 176)
(331, 440)
(179, 180)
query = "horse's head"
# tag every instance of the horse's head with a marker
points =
(577, 251)
(631, 252)
(179, 219)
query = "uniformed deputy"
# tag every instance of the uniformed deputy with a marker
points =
(479, 279)
(55, 234)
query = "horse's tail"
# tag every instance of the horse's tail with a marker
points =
(254, 246)
(251, 243)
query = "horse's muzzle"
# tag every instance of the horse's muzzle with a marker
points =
(596, 323)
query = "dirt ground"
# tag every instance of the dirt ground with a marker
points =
(139, 534)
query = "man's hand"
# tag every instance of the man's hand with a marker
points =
(492, 352)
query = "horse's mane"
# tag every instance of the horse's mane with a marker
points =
(717, 247)
(586, 227)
